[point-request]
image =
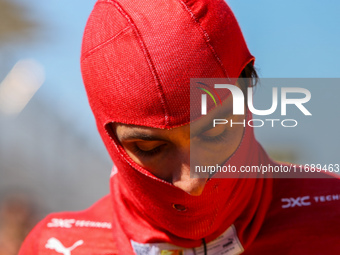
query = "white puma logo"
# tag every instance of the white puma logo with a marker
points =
(55, 244)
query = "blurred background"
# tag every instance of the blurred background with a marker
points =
(51, 157)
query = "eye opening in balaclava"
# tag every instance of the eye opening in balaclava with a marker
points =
(247, 78)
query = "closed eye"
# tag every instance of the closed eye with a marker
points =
(147, 150)
(207, 137)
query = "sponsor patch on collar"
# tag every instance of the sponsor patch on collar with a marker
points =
(226, 244)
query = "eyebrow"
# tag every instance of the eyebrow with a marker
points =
(134, 135)
(209, 125)
(141, 136)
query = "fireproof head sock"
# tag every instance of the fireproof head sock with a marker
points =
(137, 60)
(138, 57)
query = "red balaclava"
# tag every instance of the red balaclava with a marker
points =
(137, 60)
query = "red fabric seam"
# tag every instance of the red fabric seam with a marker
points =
(206, 37)
(101, 45)
(148, 58)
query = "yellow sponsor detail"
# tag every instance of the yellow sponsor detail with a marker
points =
(172, 252)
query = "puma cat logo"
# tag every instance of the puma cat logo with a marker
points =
(55, 244)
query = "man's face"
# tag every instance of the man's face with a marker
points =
(166, 153)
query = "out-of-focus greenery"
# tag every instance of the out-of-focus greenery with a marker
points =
(16, 27)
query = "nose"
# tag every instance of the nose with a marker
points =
(183, 179)
(192, 186)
